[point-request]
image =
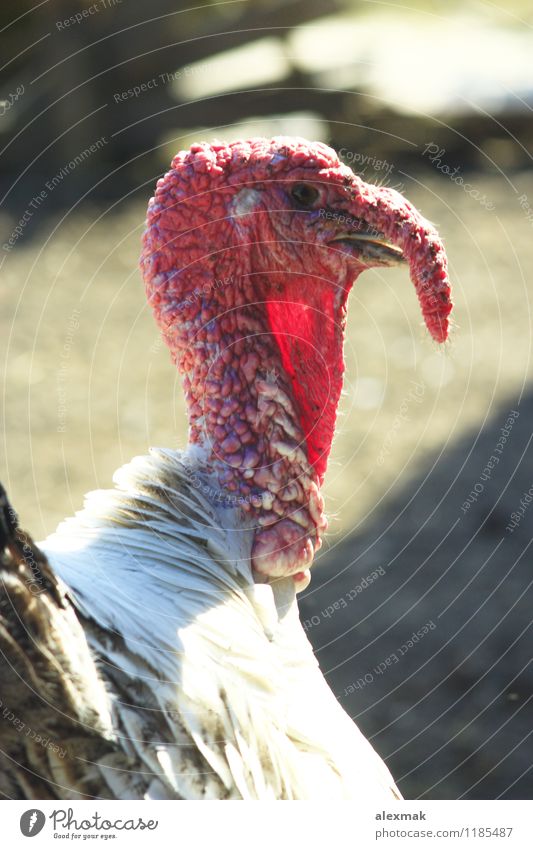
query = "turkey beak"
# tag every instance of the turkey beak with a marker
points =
(370, 246)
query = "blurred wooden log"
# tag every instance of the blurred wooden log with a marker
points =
(74, 77)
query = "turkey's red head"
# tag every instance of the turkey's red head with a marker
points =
(250, 252)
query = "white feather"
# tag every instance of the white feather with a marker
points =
(213, 681)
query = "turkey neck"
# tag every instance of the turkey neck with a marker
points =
(244, 416)
(262, 373)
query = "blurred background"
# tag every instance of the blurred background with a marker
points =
(429, 536)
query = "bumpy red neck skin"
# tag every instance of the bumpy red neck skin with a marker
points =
(262, 398)
(257, 336)
(244, 411)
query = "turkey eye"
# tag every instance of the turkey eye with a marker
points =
(304, 194)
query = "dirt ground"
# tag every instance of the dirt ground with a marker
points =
(86, 385)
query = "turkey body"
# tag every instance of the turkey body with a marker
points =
(151, 646)
(215, 692)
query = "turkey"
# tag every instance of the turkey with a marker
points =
(163, 650)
